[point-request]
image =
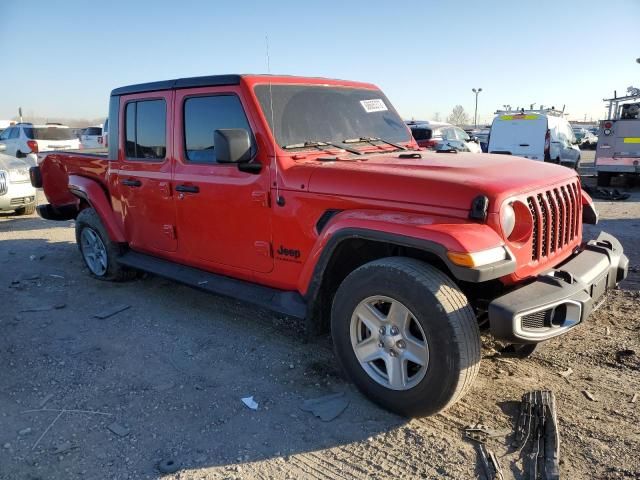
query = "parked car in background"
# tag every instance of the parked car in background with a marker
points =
(16, 191)
(91, 137)
(26, 139)
(535, 134)
(586, 139)
(618, 151)
(441, 136)
(105, 134)
(483, 139)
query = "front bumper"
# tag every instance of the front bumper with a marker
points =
(18, 195)
(562, 298)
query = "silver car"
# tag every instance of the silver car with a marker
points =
(16, 192)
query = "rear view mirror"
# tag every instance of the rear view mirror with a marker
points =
(232, 145)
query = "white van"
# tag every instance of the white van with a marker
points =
(536, 134)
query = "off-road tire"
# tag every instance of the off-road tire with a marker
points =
(88, 218)
(604, 179)
(26, 210)
(443, 312)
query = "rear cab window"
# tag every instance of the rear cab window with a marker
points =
(145, 129)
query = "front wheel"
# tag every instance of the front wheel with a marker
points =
(405, 335)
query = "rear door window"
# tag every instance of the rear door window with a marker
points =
(205, 115)
(145, 127)
(15, 133)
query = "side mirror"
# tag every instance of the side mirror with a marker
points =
(232, 145)
(3, 147)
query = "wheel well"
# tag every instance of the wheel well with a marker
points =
(348, 255)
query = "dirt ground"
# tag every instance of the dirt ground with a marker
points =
(84, 397)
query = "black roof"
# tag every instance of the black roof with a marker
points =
(207, 81)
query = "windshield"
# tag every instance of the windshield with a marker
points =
(49, 133)
(307, 113)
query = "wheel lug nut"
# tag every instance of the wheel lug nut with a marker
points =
(382, 331)
(400, 344)
(380, 345)
(394, 330)
(393, 353)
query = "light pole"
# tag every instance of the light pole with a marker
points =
(475, 115)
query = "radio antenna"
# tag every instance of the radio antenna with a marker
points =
(279, 199)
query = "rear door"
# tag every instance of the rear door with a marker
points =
(223, 214)
(519, 134)
(144, 176)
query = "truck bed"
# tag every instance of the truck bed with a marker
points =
(90, 163)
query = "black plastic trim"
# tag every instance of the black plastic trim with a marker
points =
(65, 212)
(191, 82)
(600, 260)
(324, 219)
(35, 177)
(281, 301)
(473, 275)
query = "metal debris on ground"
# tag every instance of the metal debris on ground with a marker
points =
(604, 194)
(47, 308)
(537, 429)
(589, 395)
(480, 433)
(328, 407)
(250, 403)
(110, 312)
(118, 429)
(566, 373)
(168, 466)
(634, 399)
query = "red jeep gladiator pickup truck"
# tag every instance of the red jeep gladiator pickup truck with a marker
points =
(309, 196)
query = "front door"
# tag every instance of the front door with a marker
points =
(144, 178)
(223, 213)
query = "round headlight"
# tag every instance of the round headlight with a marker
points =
(507, 219)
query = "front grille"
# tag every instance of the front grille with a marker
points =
(556, 219)
(3, 183)
(535, 320)
(20, 201)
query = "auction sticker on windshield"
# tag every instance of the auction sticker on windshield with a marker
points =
(373, 105)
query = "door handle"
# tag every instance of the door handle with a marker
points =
(131, 182)
(187, 188)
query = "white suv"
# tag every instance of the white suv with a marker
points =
(91, 137)
(16, 192)
(26, 140)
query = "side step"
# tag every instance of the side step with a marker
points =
(280, 301)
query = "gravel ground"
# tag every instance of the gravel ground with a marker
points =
(84, 397)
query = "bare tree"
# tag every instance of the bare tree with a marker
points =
(458, 116)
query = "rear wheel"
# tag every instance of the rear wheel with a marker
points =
(26, 210)
(405, 335)
(98, 251)
(19, 154)
(604, 179)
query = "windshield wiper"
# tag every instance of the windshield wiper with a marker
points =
(373, 139)
(319, 145)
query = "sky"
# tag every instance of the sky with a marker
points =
(62, 58)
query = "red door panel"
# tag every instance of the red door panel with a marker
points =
(223, 214)
(144, 176)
